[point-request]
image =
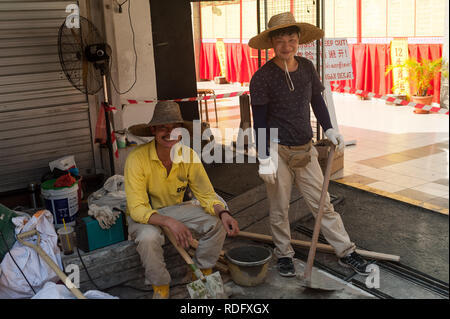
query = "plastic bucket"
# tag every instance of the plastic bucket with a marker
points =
(61, 201)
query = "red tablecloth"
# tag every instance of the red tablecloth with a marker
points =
(369, 65)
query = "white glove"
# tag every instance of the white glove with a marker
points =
(267, 170)
(104, 215)
(336, 138)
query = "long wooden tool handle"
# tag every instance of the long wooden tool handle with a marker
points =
(323, 196)
(295, 242)
(187, 258)
(67, 282)
(321, 247)
(180, 249)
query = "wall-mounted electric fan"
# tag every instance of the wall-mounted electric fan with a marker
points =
(85, 59)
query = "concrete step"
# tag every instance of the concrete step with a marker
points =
(120, 263)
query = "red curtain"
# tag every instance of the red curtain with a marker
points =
(209, 62)
(369, 64)
(242, 62)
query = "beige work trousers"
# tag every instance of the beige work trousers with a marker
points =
(150, 239)
(309, 181)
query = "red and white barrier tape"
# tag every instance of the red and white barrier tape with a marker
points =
(191, 99)
(394, 100)
(347, 89)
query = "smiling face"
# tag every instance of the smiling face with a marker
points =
(285, 46)
(162, 134)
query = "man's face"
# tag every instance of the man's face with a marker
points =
(285, 46)
(162, 134)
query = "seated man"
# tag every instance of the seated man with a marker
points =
(155, 184)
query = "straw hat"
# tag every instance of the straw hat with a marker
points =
(166, 112)
(308, 32)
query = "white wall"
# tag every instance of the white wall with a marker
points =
(105, 15)
(120, 37)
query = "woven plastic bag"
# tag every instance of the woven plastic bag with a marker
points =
(54, 291)
(12, 281)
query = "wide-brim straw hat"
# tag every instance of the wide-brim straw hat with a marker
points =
(166, 112)
(308, 32)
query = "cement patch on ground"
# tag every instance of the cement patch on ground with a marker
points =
(278, 287)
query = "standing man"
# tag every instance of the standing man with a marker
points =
(281, 94)
(156, 177)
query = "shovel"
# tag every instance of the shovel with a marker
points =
(207, 287)
(315, 279)
(20, 237)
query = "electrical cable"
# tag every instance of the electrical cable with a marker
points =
(87, 272)
(132, 287)
(134, 48)
(9, 252)
(119, 285)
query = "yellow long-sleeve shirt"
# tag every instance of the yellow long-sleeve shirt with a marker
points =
(148, 187)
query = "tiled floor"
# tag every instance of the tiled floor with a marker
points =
(397, 152)
(393, 151)
(228, 110)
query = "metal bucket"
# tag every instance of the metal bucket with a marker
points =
(248, 265)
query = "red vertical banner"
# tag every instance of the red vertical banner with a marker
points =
(399, 54)
(222, 55)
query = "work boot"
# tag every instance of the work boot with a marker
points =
(206, 272)
(355, 262)
(286, 267)
(161, 292)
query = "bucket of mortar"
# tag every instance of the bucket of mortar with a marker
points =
(248, 265)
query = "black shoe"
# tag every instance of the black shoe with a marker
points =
(356, 262)
(286, 267)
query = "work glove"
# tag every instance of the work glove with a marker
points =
(336, 138)
(267, 170)
(104, 215)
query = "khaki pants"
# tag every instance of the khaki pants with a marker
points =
(309, 181)
(150, 239)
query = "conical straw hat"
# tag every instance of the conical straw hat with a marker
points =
(166, 112)
(308, 32)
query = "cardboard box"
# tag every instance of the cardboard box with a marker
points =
(323, 148)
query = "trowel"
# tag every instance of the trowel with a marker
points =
(206, 287)
(314, 279)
